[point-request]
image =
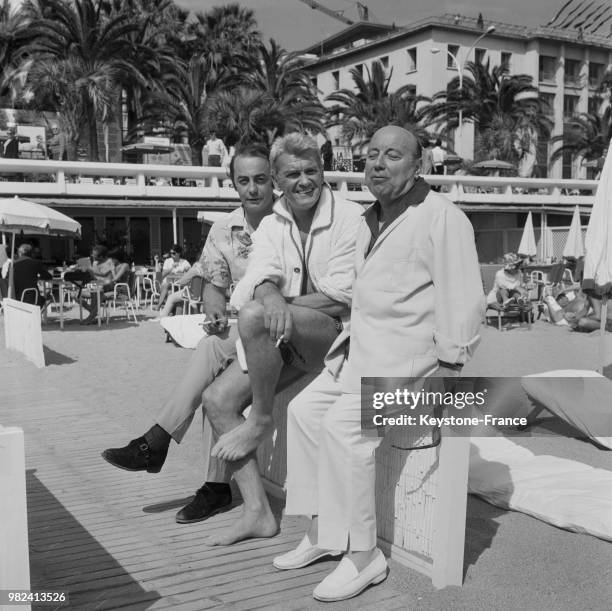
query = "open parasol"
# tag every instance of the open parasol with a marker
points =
(20, 215)
(598, 246)
(527, 247)
(574, 246)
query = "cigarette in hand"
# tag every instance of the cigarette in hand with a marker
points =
(279, 341)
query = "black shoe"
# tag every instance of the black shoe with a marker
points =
(205, 503)
(136, 456)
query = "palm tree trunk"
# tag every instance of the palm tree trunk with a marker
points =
(92, 130)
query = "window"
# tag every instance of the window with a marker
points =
(594, 103)
(451, 62)
(506, 60)
(570, 102)
(412, 59)
(572, 73)
(480, 55)
(542, 156)
(566, 171)
(548, 69)
(313, 81)
(548, 103)
(336, 79)
(385, 61)
(596, 72)
(359, 68)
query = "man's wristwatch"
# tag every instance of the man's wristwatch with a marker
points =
(453, 366)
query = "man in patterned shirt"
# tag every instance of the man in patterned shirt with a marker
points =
(223, 263)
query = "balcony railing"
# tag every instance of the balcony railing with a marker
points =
(572, 80)
(547, 76)
(118, 184)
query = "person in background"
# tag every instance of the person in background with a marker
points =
(122, 268)
(174, 265)
(438, 155)
(426, 157)
(11, 144)
(508, 283)
(216, 150)
(327, 154)
(57, 144)
(27, 271)
(102, 271)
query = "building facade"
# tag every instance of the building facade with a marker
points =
(566, 66)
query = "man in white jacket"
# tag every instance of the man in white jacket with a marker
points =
(417, 307)
(293, 300)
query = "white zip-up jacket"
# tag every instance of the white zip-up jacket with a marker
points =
(328, 256)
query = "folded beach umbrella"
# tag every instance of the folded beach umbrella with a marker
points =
(20, 215)
(574, 246)
(598, 246)
(548, 247)
(527, 247)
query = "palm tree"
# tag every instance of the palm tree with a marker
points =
(222, 34)
(360, 113)
(277, 96)
(156, 43)
(15, 35)
(586, 135)
(181, 105)
(94, 50)
(493, 100)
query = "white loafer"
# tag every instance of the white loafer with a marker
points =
(346, 581)
(303, 555)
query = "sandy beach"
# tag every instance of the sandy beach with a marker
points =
(102, 387)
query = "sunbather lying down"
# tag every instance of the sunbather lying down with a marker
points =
(583, 313)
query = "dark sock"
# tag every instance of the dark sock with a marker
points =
(157, 438)
(219, 487)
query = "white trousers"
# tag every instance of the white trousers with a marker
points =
(331, 465)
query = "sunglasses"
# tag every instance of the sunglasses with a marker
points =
(173, 253)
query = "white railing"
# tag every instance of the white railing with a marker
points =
(194, 185)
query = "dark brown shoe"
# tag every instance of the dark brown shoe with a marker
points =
(138, 455)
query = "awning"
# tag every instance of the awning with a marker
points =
(115, 204)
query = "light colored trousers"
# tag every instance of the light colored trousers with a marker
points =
(331, 465)
(212, 355)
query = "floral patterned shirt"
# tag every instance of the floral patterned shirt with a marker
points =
(225, 254)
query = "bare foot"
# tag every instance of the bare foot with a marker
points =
(244, 439)
(251, 524)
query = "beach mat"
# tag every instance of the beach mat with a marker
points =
(562, 492)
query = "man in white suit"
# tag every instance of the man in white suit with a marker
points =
(417, 307)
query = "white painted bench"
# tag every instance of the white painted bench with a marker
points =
(14, 556)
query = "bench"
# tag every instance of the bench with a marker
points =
(421, 496)
(14, 559)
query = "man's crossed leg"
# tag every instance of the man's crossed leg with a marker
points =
(224, 400)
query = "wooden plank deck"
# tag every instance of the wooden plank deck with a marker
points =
(108, 537)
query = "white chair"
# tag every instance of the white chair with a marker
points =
(122, 298)
(150, 289)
